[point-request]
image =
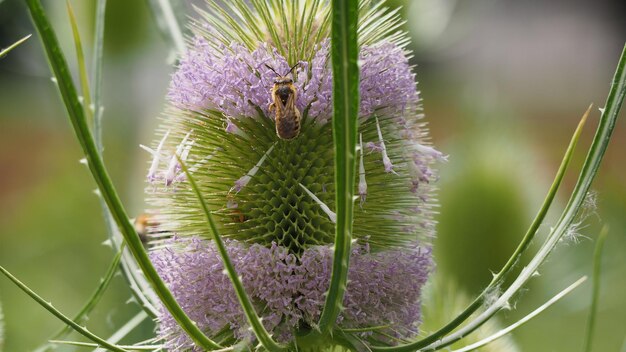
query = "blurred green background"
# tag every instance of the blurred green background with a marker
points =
(504, 84)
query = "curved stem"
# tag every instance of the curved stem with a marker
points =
(101, 176)
(589, 170)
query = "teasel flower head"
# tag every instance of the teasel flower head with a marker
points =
(273, 198)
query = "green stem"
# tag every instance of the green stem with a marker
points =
(344, 57)
(597, 269)
(138, 289)
(253, 318)
(101, 176)
(586, 176)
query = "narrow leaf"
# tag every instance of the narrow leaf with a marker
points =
(82, 68)
(79, 329)
(3, 52)
(597, 269)
(344, 55)
(101, 176)
(524, 320)
(253, 318)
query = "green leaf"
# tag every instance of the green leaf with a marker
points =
(253, 318)
(79, 329)
(3, 52)
(597, 269)
(101, 176)
(344, 55)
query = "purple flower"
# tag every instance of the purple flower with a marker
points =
(384, 288)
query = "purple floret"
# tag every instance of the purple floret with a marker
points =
(384, 288)
(232, 80)
(237, 82)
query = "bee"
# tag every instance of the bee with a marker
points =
(141, 224)
(148, 229)
(284, 96)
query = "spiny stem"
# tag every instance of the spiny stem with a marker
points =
(101, 176)
(344, 55)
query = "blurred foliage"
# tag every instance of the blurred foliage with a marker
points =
(1, 329)
(499, 100)
(486, 202)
